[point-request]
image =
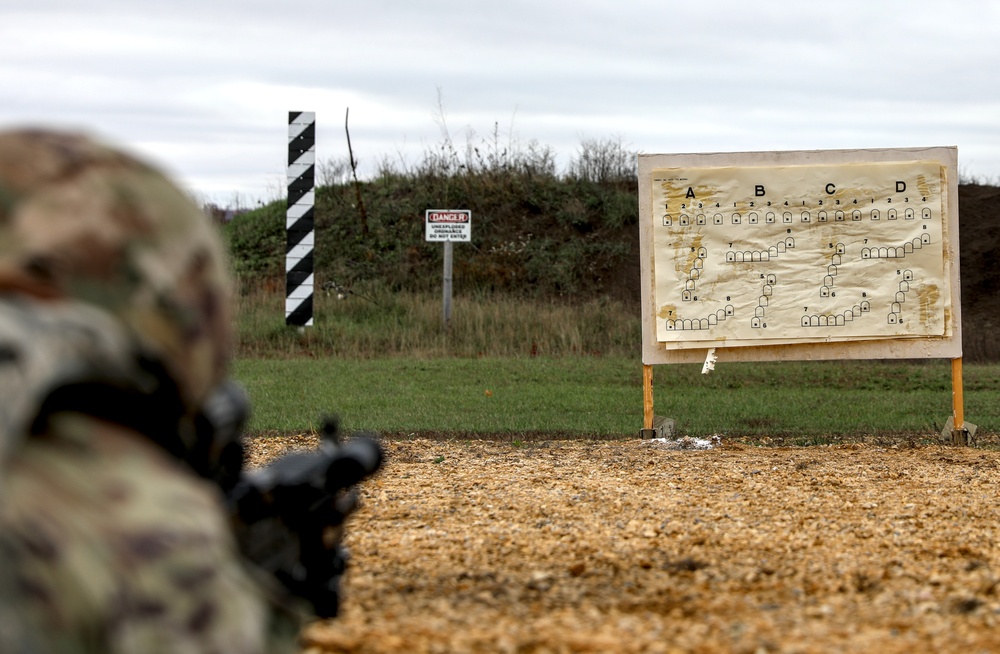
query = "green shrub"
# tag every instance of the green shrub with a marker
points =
(534, 233)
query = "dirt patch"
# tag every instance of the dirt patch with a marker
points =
(627, 546)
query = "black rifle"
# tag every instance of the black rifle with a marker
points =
(290, 515)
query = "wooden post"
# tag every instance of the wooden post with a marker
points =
(959, 436)
(647, 397)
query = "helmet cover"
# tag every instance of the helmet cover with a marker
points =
(85, 222)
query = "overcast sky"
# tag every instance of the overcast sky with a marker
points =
(204, 88)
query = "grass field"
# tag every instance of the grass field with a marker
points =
(601, 397)
(519, 368)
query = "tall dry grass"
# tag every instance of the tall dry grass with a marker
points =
(375, 322)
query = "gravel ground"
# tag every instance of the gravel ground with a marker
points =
(631, 546)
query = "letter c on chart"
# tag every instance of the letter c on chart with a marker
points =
(831, 189)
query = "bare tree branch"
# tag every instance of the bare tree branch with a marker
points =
(354, 173)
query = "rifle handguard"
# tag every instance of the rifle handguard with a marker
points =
(289, 516)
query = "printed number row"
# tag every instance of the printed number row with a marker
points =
(754, 218)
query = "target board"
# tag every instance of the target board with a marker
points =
(800, 255)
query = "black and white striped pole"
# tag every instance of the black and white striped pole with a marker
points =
(299, 218)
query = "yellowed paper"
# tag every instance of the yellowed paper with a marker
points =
(758, 255)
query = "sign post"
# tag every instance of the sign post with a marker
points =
(446, 287)
(447, 226)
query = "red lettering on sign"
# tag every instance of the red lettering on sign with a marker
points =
(447, 217)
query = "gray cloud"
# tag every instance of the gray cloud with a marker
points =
(204, 88)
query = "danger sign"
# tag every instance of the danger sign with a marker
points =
(448, 225)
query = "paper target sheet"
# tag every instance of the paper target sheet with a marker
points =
(766, 255)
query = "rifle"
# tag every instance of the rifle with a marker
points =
(290, 515)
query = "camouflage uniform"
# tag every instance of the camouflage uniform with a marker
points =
(107, 542)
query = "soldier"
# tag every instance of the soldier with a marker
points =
(114, 330)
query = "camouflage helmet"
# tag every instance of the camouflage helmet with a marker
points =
(86, 222)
